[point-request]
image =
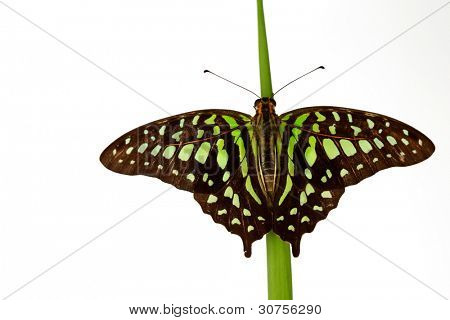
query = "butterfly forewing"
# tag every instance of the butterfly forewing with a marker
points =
(326, 149)
(205, 152)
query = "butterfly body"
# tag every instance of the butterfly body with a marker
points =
(267, 172)
(266, 127)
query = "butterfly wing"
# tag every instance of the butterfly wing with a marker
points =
(329, 148)
(206, 152)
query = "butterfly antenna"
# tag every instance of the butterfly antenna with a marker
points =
(207, 71)
(321, 67)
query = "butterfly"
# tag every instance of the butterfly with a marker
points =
(267, 172)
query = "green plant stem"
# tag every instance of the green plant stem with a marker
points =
(264, 64)
(279, 275)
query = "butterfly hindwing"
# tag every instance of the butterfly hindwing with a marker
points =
(239, 204)
(206, 152)
(329, 148)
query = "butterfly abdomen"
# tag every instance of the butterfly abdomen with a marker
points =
(266, 124)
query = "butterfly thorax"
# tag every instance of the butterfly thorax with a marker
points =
(266, 124)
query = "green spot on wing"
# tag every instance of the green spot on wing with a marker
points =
(195, 120)
(240, 144)
(300, 119)
(236, 134)
(344, 172)
(291, 167)
(330, 148)
(332, 129)
(235, 221)
(243, 117)
(336, 116)
(378, 143)
(226, 176)
(291, 146)
(391, 140)
(231, 121)
(326, 194)
(356, 130)
(309, 189)
(310, 153)
(222, 155)
(303, 198)
(200, 133)
(169, 151)
(315, 127)
(155, 150)
(320, 117)
(249, 188)
(244, 165)
(142, 147)
(228, 192)
(296, 132)
(211, 199)
(348, 147)
(287, 189)
(202, 152)
(185, 152)
(365, 146)
(211, 119)
(308, 173)
(236, 201)
(177, 135)
(244, 168)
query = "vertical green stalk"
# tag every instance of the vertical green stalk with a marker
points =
(264, 64)
(279, 276)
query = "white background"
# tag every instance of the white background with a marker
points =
(58, 112)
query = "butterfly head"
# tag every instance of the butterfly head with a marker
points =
(265, 104)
